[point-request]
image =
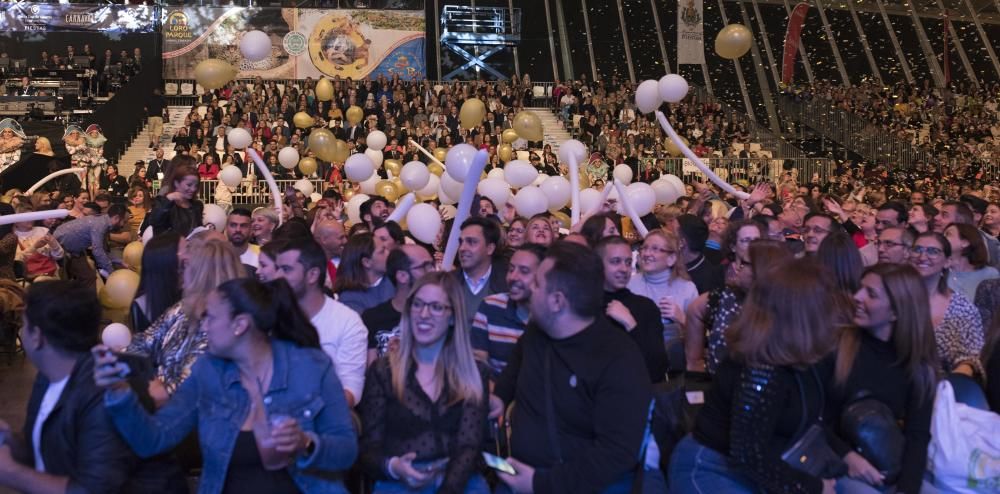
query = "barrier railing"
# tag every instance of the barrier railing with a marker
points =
(250, 192)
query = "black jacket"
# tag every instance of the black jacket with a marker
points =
(167, 216)
(648, 332)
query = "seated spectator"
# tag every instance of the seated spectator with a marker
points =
(361, 282)
(208, 169)
(662, 278)
(968, 267)
(159, 281)
(37, 248)
(115, 184)
(139, 204)
(404, 266)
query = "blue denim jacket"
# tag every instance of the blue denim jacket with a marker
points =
(303, 386)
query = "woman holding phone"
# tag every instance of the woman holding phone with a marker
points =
(426, 404)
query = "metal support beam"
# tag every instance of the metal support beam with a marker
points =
(437, 35)
(802, 49)
(983, 37)
(564, 41)
(895, 42)
(659, 36)
(517, 63)
(739, 69)
(765, 88)
(953, 35)
(552, 43)
(628, 47)
(590, 40)
(767, 44)
(925, 45)
(864, 43)
(833, 44)
(478, 61)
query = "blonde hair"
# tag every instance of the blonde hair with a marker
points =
(455, 368)
(679, 270)
(45, 146)
(210, 263)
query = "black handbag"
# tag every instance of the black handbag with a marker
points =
(810, 453)
(871, 427)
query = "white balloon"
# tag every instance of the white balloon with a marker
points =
(304, 186)
(530, 201)
(641, 197)
(354, 208)
(665, 192)
(444, 197)
(376, 140)
(450, 186)
(539, 179)
(557, 190)
(519, 173)
(423, 222)
(116, 336)
(231, 175)
(495, 173)
(623, 173)
(358, 167)
(414, 175)
(368, 186)
(677, 183)
(495, 189)
(213, 214)
(288, 157)
(240, 138)
(315, 197)
(375, 156)
(672, 88)
(459, 160)
(647, 96)
(572, 149)
(589, 199)
(255, 46)
(431, 189)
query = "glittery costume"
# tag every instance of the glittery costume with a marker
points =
(12, 140)
(76, 147)
(95, 157)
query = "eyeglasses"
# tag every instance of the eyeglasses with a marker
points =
(658, 250)
(931, 252)
(437, 310)
(888, 244)
(814, 229)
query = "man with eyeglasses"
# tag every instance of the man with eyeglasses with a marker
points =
(403, 267)
(817, 227)
(894, 245)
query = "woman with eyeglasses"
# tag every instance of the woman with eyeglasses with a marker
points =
(663, 278)
(969, 258)
(426, 404)
(958, 329)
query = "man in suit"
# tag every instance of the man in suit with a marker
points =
(26, 89)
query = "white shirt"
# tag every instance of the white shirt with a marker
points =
(52, 394)
(344, 338)
(251, 256)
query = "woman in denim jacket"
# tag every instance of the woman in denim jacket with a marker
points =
(269, 408)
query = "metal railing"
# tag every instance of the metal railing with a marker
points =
(758, 133)
(250, 192)
(751, 170)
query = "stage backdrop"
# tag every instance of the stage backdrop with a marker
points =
(304, 42)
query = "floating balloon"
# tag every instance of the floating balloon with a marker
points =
(256, 46)
(304, 186)
(665, 192)
(557, 190)
(376, 140)
(508, 136)
(415, 175)
(733, 41)
(459, 160)
(324, 89)
(626, 206)
(495, 173)
(288, 157)
(506, 152)
(444, 198)
(673, 149)
(642, 197)
(673, 88)
(322, 142)
(231, 175)
(116, 336)
(341, 151)
(662, 119)
(590, 199)
(496, 189)
(387, 189)
(354, 208)
(375, 156)
(302, 120)
(132, 255)
(528, 125)
(519, 173)
(623, 173)
(451, 187)
(530, 201)
(213, 73)
(572, 149)
(424, 222)
(440, 153)
(399, 185)
(307, 166)
(402, 208)
(430, 190)
(676, 182)
(240, 138)
(358, 167)
(355, 114)
(393, 167)
(272, 185)
(472, 113)
(214, 215)
(368, 186)
(120, 288)
(647, 96)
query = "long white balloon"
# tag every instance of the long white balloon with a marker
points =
(696, 160)
(604, 197)
(574, 183)
(33, 216)
(636, 221)
(403, 207)
(427, 153)
(52, 175)
(464, 205)
(271, 184)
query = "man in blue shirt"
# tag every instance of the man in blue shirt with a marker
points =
(89, 232)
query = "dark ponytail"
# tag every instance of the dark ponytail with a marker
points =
(273, 308)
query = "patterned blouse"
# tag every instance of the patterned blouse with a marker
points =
(173, 343)
(960, 336)
(724, 305)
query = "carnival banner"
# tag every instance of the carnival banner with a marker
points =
(793, 36)
(26, 16)
(690, 32)
(304, 42)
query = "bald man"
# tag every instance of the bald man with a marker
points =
(331, 236)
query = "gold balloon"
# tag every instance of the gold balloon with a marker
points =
(393, 166)
(435, 169)
(214, 73)
(440, 154)
(348, 194)
(302, 120)
(562, 217)
(399, 185)
(355, 114)
(321, 142)
(584, 181)
(472, 113)
(506, 152)
(340, 151)
(132, 255)
(387, 190)
(307, 166)
(733, 41)
(120, 288)
(324, 89)
(673, 149)
(528, 125)
(509, 136)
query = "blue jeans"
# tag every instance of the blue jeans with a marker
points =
(621, 486)
(698, 469)
(477, 485)
(846, 485)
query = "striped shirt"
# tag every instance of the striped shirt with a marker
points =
(497, 326)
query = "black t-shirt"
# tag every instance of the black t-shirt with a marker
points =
(382, 322)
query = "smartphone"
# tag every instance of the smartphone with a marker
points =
(430, 466)
(497, 463)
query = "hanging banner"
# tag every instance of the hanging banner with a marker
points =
(304, 42)
(793, 36)
(690, 32)
(25, 16)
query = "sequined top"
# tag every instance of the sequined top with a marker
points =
(959, 336)
(724, 306)
(173, 343)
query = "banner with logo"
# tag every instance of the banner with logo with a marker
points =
(25, 16)
(304, 42)
(690, 32)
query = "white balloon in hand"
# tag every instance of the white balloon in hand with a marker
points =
(116, 336)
